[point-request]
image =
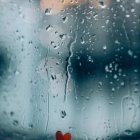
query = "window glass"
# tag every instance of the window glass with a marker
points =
(69, 69)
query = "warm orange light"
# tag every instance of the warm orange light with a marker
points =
(58, 5)
(55, 6)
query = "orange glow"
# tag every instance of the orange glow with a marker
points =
(54, 5)
(58, 5)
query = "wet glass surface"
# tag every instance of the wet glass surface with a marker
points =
(69, 66)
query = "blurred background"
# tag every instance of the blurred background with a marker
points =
(70, 66)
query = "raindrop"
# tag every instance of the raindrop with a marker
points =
(53, 77)
(113, 89)
(137, 1)
(48, 11)
(31, 126)
(115, 76)
(17, 72)
(62, 36)
(132, 10)
(15, 122)
(65, 18)
(127, 16)
(82, 40)
(101, 3)
(49, 27)
(104, 48)
(128, 132)
(56, 46)
(30, 42)
(12, 113)
(122, 83)
(130, 52)
(111, 103)
(63, 114)
(117, 42)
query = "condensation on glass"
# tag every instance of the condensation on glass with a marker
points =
(70, 66)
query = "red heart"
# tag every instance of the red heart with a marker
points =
(60, 136)
(67, 136)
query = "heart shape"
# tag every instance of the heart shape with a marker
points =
(59, 136)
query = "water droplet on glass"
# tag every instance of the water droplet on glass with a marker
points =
(12, 113)
(31, 126)
(65, 18)
(63, 114)
(49, 27)
(48, 11)
(128, 132)
(15, 122)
